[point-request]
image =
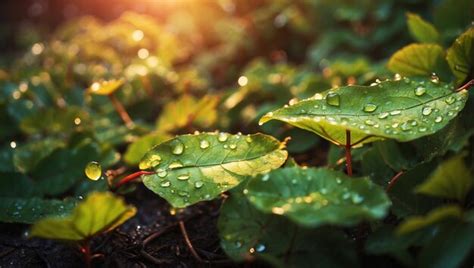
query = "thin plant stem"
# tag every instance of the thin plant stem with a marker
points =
(188, 242)
(394, 180)
(348, 153)
(467, 85)
(132, 177)
(86, 250)
(121, 111)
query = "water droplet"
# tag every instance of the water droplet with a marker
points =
(397, 77)
(165, 184)
(183, 177)
(396, 112)
(183, 193)
(232, 146)
(383, 115)
(198, 184)
(369, 122)
(333, 99)
(405, 126)
(293, 101)
(426, 110)
(422, 129)
(357, 199)
(338, 181)
(93, 170)
(178, 148)
(238, 244)
(265, 177)
(450, 100)
(162, 173)
(222, 137)
(438, 119)
(260, 248)
(420, 91)
(434, 78)
(204, 144)
(175, 164)
(248, 139)
(370, 107)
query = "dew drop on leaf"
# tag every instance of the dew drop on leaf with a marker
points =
(396, 112)
(333, 99)
(165, 184)
(260, 248)
(383, 115)
(426, 110)
(178, 148)
(369, 122)
(175, 164)
(357, 199)
(450, 100)
(370, 107)
(420, 91)
(162, 173)
(438, 119)
(232, 146)
(93, 170)
(204, 144)
(183, 177)
(198, 184)
(222, 137)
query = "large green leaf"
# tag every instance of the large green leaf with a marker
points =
(247, 233)
(28, 155)
(419, 60)
(53, 120)
(29, 210)
(314, 197)
(422, 30)
(100, 212)
(404, 110)
(461, 56)
(192, 168)
(452, 179)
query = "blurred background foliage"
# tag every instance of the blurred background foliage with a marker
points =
(188, 65)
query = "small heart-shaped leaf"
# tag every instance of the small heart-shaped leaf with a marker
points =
(461, 56)
(193, 168)
(100, 212)
(105, 87)
(314, 197)
(403, 110)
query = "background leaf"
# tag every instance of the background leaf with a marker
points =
(315, 197)
(422, 30)
(461, 57)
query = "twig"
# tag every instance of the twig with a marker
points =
(132, 177)
(188, 242)
(466, 86)
(348, 153)
(121, 111)
(394, 180)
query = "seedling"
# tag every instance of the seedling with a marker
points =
(97, 214)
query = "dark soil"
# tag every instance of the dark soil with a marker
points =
(125, 247)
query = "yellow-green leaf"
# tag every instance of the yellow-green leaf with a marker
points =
(100, 212)
(418, 60)
(452, 179)
(193, 168)
(105, 87)
(422, 30)
(461, 56)
(419, 222)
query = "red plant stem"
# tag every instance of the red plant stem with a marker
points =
(121, 111)
(467, 85)
(348, 153)
(132, 177)
(86, 250)
(394, 180)
(188, 242)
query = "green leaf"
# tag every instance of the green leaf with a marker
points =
(27, 156)
(419, 60)
(17, 185)
(188, 110)
(403, 110)
(315, 197)
(193, 168)
(452, 244)
(405, 201)
(137, 149)
(422, 30)
(416, 223)
(105, 87)
(452, 180)
(460, 57)
(247, 233)
(54, 121)
(100, 212)
(29, 210)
